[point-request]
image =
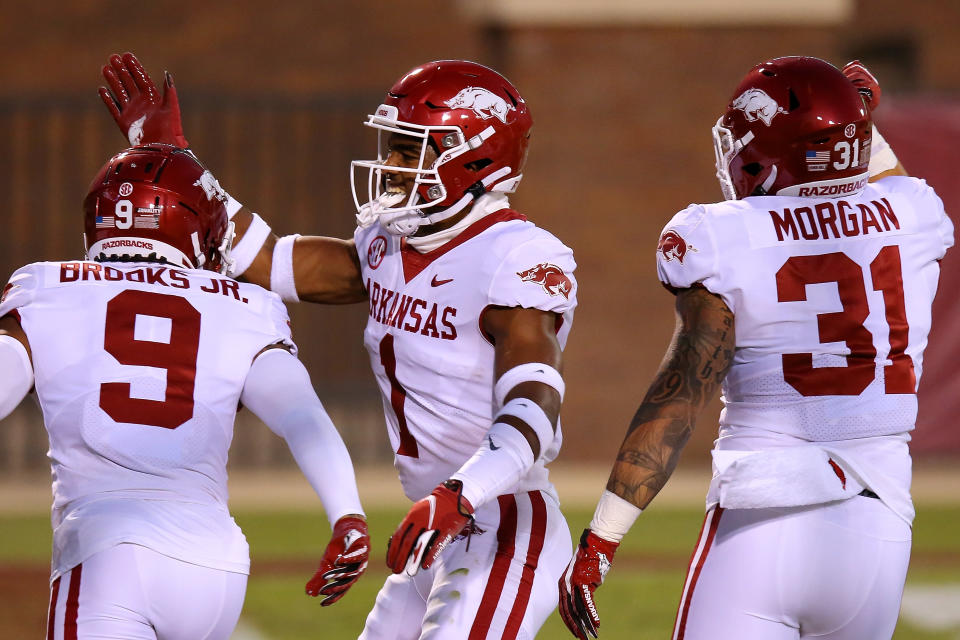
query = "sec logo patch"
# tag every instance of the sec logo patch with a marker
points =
(376, 251)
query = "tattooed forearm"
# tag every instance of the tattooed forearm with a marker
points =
(695, 364)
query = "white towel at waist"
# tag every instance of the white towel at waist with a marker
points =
(781, 477)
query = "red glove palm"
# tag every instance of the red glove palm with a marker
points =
(865, 82)
(344, 560)
(428, 528)
(143, 115)
(584, 574)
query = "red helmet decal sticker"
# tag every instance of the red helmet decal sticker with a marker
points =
(376, 251)
(484, 103)
(550, 277)
(757, 105)
(672, 245)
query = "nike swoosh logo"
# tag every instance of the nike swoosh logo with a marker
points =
(436, 283)
(493, 447)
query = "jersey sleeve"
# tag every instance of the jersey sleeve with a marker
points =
(943, 222)
(928, 205)
(280, 320)
(537, 274)
(271, 323)
(19, 291)
(686, 252)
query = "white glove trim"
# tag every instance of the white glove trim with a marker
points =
(281, 272)
(243, 252)
(16, 373)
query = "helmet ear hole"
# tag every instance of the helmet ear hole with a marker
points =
(794, 101)
(477, 165)
(753, 168)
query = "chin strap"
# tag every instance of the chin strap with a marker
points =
(768, 183)
(404, 221)
(485, 204)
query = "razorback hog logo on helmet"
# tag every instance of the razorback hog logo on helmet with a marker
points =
(211, 187)
(757, 105)
(484, 103)
(551, 277)
(672, 246)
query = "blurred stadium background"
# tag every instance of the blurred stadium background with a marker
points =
(623, 95)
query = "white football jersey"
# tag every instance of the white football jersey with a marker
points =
(832, 300)
(139, 370)
(432, 361)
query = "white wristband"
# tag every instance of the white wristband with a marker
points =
(614, 517)
(243, 253)
(528, 372)
(882, 157)
(281, 272)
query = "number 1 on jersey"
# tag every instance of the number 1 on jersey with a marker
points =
(398, 397)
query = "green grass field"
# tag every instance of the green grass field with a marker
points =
(638, 600)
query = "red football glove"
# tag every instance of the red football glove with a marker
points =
(429, 527)
(343, 562)
(143, 115)
(584, 574)
(865, 82)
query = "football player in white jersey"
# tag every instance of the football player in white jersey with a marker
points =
(140, 356)
(470, 306)
(807, 297)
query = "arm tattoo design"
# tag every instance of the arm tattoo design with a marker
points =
(697, 361)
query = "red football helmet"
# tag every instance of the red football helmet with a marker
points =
(476, 122)
(157, 203)
(795, 126)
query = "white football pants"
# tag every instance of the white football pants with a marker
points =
(832, 572)
(135, 593)
(503, 588)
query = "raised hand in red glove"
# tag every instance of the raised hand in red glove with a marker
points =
(428, 528)
(143, 115)
(865, 82)
(343, 562)
(584, 574)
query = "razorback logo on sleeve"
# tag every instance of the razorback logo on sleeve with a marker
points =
(551, 277)
(673, 246)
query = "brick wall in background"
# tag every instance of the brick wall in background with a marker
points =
(274, 101)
